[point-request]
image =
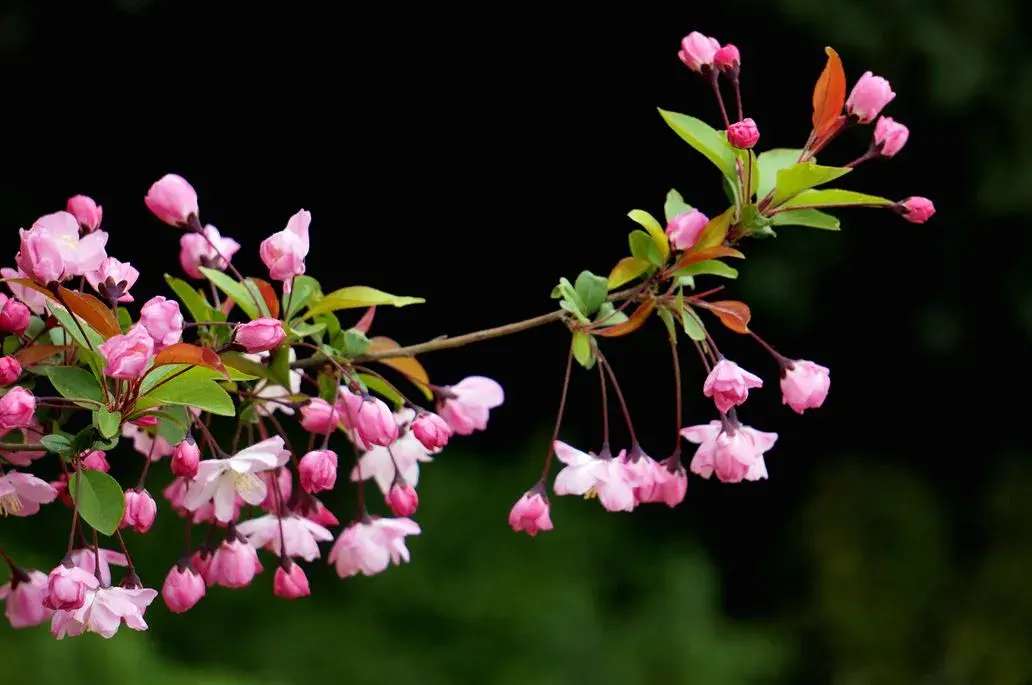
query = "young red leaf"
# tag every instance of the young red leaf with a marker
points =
(409, 366)
(269, 295)
(366, 322)
(37, 353)
(185, 353)
(94, 312)
(732, 313)
(829, 95)
(705, 254)
(632, 324)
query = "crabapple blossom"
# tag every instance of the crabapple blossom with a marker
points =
(467, 404)
(371, 545)
(804, 385)
(221, 480)
(24, 595)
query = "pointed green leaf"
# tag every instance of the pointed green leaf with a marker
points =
(693, 326)
(205, 395)
(769, 163)
(305, 289)
(835, 197)
(711, 267)
(582, 351)
(649, 223)
(58, 444)
(814, 218)
(644, 247)
(704, 138)
(609, 316)
(99, 498)
(67, 322)
(246, 300)
(107, 422)
(668, 321)
(675, 205)
(191, 299)
(358, 296)
(125, 320)
(74, 383)
(799, 177)
(279, 367)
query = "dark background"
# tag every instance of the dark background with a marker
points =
(473, 153)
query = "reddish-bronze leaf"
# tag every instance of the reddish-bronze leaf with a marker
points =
(829, 95)
(366, 322)
(28, 356)
(707, 253)
(632, 324)
(34, 286)
(715, 231)
(94, 312)
(409, 366)
(732, 313)
(269, 295)
(185, 353)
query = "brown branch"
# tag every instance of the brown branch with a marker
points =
(22, 447)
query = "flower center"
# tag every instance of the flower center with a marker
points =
(591, 493)
(10, 504)
(246, 483)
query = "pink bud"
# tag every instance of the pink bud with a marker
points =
(697, 51)
(16, 409)
(804, 385)
(375, 423)
(205, 248)
(319, 416)
(290, 581)
(868, 97)
(185, 459)
(163, 321)
(916, 210)
(10, 370)
(40, 256)
(140, 511)
(467, 404)
(318, 470)
(14, 317)
(261, 335)
(235, 564)
(202, 562)
(67, 586)
(530, 514)
(728, 384)
(284, 252)
(432, 431)
(743, 134)
(113, 279)
(96, 460)
(674, 483)
(172, 200)
(727, 58)
(890, 137)
(403, 499)
(24, 597)
(86, 211)
(128, 356)
(183, 588)
(684, 230)
(146, 421)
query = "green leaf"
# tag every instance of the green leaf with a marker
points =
(654, 229)
(235, 290)
(711, 267)
(769, 163)
(35, 327)
(200, 373)
(693, 326)
(353, 343)
(834, 197)
(303, 330)
(582, 351)
(799, 177)
(240, 368)
(814, 218)
(196, 305)
(100, 499)
(305, 288)
(571, 301)
(704, 138)
(11, 344)
(609, 316)
(668, 321)
(675, 205)
(74, 383)
(107, 422)
(377, 385)
(67, 321)
(328, 388)
(358, 296)
(249, 414)
(125, 321)
(644, 247)
(205, 395)
(172, 423)
(58, 444)
(752, 220)
(84, 439)
(592, 290)
(279, 367)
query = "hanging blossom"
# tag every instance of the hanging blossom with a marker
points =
(221, 480)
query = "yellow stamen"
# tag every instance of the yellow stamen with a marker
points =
(246, 483)
(10, 504)
(591, 493)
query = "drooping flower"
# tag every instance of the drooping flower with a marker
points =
(235, 563)
(467, 404)
(140, 511)
(284, 252)
(183, 588)
(403, 499)
(318, 470)
(17, 407)
(588, 474)
(104, 611)
(728, 384)
(890, 136)
(319, 416)
(86, 559)
(186, 457)
(14, 315)
(113, 279)
(21, 494)
(300, 535)
(67, 586)
(23, 597)
(733, 455)
(221, 480)
(290, 581)
(369, 417)
(431, 430)
(530, 514)
(260, 335)
(370, 546)
(804, 385)
(10, 370)
(207, 248)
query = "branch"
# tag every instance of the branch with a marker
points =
(22, 447)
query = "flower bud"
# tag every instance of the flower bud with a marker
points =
(128, 356)
(16, 409)
(318, 470)
(162, 320)
(87, 212)
(804, 385)
(371, 419)
(172, 200)
(890, 137)
(39, 256)
(530, 514)
(290, 581)
(403, 499)
(10, 370)
(684, 230)
(185, 459)
(146, 421)
(916, 210)
(260, 335)
(183, 588)
(96, 460)
(868, 97)
(727, 58)
(319, 416)
(14, 317)
(432, 431)
(140, 511)
(743, 134)
(235, 564)
(67, 586)
(728, 384)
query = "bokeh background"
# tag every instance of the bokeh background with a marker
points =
(473, 153)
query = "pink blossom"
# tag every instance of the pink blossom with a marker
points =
(318, 470)
(698, 51)
(33, 299)
(21, 494)
(14, 316)
(743, 134)
(17, 407)
(728, 384)
(588, 474)
(154, 446)
(378, 463)
(467, 404)
(113, 277)
(284, 252)
(889, 136)
(202, 561)
(128, 356)
(185, 459)
(369, 546)
(371, 419)
(23, 597)
(163, 321)
(319, 416)
(804, 385)
(431, 430)
(221, 480)
(87, 212)
(403, 499)
(645, 474)
(300, 535)
(146, 421)
(96, 460)
(86, 559)
(140, 511)
(916, 210)
(290, 581)
(683, 230)
(104, 611)
(39, 256)
(208, 249)
(10, 370)
(235, 564)
(173, 200)
(727, 58)
(314, 510)
(260, 335)
(734, 455)
(868, 97)
(79, 254)
(183, 588)
(530, 514)
(67, 586)
(672, 481)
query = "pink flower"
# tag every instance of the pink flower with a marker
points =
(85, 559)
(379, 464)
(684, 229)
(318, 470)
(672, 482)
(104, 611)
(10, 370)
(804, 385)
(467, 404)
(743, 134)
(208, 249)
(128, 356)
(40, 257)
(183, 588)
(868, 97)
(235, 564)
(319, 416)
(23, 598)
(431, 430)
(146, 421)
(87, 212)
(163, 321)
(890, 137)
(154, 447)
(14, 317)
(698, 51)
(140, 511)
(185, 459)
(734, 455)
(221, 480)
(728, 384)
(315, 511)
(290, 581)
(403, 499)
(284, 252)
(113, 279)
(21, 494)
(33, 299)
(530, 514)
(79, 254)
(645, 474)
(916, 210)
(67, 586)
(300, 535)
(260, 335)
(201, 561)
(588, 474)
(727, 58)
(173, 200)
(369, 546)
(370, 417)
(17, 407)
(96, 460)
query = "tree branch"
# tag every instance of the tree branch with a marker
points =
(22, 447)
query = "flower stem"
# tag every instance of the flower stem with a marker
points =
(605, 407)
(677, 392)
(714, 77)
(619, 396)
(559, 416)
(75, 511)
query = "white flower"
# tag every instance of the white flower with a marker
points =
(378, 463)
(300, 535)
(222, 480)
